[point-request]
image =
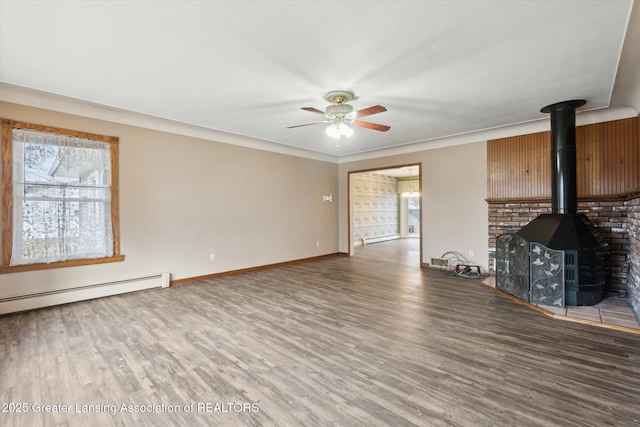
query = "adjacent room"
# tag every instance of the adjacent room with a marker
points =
(320, 213)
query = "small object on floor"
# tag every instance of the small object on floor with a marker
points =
(458, 265)
(467, 270)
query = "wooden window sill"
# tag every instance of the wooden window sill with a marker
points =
(60, 264)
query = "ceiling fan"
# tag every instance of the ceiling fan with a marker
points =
(341, 114)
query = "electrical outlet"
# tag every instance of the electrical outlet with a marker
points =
(318, 243)
(471, 254)
(212, 257)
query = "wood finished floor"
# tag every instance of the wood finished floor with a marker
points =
(370, 340)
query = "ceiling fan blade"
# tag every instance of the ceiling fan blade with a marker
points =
(371, 110)
(309, 124)
(369, 125)
(314, 110)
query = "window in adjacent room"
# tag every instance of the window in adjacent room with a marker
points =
(59, 197)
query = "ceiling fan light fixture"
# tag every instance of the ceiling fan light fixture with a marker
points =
(338, 130)
(341, 114)
(345, 130)
(333, 131)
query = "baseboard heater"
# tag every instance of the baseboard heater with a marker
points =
(81, 293)
(365, 241)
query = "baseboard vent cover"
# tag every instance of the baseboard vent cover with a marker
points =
(440, 262)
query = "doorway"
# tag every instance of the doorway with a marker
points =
(409, 220)
(385, 205)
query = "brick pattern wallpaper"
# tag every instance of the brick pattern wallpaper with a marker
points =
(375, 206)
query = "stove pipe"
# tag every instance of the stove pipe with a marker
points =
(564, 198)
(564, 228)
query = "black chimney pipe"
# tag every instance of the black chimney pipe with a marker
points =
(565, 229)
(564, 197)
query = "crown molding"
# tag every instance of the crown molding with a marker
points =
(63, 104)
(51, 101)
(524, 128)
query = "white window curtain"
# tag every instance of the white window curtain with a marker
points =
(406, 188)
(61, 198)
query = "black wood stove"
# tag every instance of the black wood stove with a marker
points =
(564, 229)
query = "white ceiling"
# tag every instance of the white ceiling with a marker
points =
(441, 68)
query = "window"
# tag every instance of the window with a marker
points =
(59, 198)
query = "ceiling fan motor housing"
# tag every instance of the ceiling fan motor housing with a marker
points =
(339, 110)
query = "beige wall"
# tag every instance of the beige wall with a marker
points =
(454, 190)
(183, 198)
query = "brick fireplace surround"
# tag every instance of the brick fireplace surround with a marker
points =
(617, 221)
(519, 188)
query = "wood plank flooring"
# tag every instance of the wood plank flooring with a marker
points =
(370, 340)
